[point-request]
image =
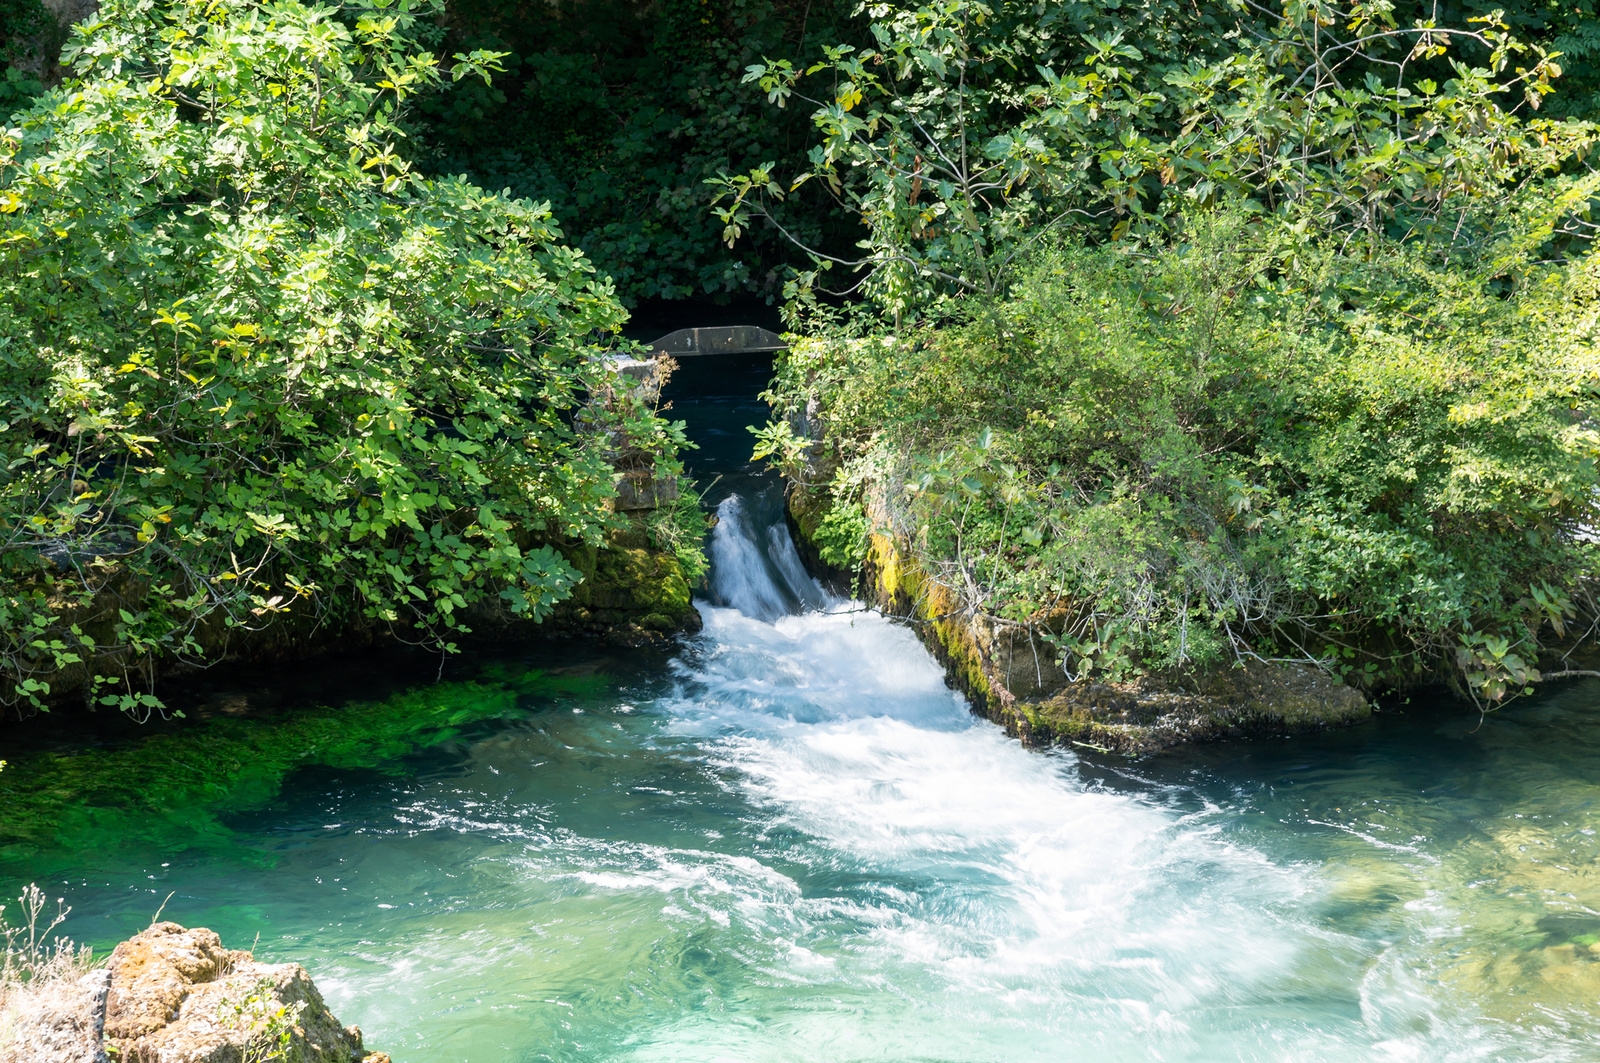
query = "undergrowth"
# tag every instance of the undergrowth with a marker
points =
(1237, 448)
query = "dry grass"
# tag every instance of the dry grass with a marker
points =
(42, 1001)
(34, 955)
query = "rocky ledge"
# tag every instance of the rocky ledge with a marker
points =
(1011, 676)
(172, 995)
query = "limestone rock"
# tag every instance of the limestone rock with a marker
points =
(174, 995)
(1156, 712)
(152, 972)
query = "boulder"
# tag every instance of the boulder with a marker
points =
(175, 995)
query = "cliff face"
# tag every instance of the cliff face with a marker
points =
(172, 995)
(1011, 676)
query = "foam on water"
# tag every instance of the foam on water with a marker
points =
(799, 845)
(996, 903)
(1001, 908)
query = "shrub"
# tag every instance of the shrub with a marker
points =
(250, 362)
(1239, 447)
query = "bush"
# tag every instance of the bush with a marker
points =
(250, 362)
(1244, 447)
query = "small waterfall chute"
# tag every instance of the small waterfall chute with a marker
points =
(755, 567)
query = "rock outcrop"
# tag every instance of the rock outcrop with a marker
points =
(173, 995)
(1011, 676)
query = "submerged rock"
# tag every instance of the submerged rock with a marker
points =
(1154, 712)
(174, 995)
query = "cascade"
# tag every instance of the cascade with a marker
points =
(789, 841)
(754, 565)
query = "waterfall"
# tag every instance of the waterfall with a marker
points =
(754, 565)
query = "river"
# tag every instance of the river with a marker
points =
(787, 840)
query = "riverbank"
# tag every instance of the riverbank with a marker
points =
(630, 593)
(1012, 676)
(789, 838)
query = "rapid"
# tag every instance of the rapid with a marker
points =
(788, 840)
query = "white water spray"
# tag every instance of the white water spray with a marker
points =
(989, 905)
(754, 566)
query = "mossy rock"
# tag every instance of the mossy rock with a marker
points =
(629, 592)
(1142, 716)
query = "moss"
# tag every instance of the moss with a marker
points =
(1137, 717)
(629, 591)
(807, 507)
(171, 790)
(640, 580)
(903, 588)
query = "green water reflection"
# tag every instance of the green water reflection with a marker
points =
(546, 861)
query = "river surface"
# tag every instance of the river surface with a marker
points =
(787, 840)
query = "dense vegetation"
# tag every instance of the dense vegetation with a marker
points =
(1188, 457)
(251, 362)
(617, 113)
(1197, 330)
(1283, 351)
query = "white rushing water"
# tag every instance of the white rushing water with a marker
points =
(999, 908)
(795, 844)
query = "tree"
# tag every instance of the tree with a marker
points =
(963, 135)
(250, 362)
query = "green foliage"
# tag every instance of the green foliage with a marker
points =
(16, 89)
(264, 1023)
(616, 113)
(1243, 446)
(841, 538)
(250, 362)
(1264, 333)
(963, 133)
(24, 25)
(1571, 27)
(681, 529)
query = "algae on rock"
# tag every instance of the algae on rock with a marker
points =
(1012, 676)
(173, 788)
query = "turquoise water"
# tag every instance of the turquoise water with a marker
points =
(789, 841)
